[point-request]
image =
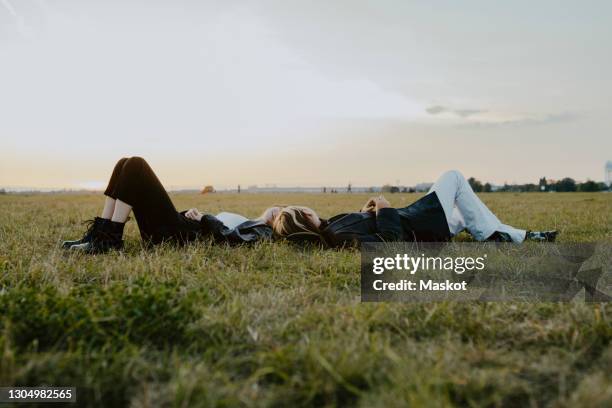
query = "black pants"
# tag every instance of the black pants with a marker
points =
(134, 182)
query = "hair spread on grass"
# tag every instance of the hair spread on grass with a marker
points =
(292, 219)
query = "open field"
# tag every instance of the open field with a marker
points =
(271, 325)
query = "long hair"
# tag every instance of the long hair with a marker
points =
(292, 220)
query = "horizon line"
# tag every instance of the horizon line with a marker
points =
(267, 188)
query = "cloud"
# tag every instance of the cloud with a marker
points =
(19, 21)
(434, 110)
(520, 121)
(482, 117)
(462, 113)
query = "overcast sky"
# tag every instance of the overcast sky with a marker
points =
(306, 93)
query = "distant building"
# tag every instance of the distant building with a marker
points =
(608, 173)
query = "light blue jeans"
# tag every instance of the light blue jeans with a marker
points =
(465, 211)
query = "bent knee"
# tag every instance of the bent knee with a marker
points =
(134, 163)
(137, 159)
(454, 173)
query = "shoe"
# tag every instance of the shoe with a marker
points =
(541, 236)
(498, 236)
(104, 239)
(93, 225)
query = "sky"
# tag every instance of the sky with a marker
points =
(303, 93)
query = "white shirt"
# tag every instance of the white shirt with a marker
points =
(231, 220)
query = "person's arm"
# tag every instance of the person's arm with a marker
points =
(212, 226)
(388, 227)
(251, 231)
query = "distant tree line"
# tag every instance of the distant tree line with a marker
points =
(388, 188)
(478, 187)
(564, 185)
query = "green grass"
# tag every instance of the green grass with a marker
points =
(271, 325)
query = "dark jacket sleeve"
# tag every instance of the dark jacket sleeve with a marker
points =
(388, 224)
(388, 229)
(245, 233)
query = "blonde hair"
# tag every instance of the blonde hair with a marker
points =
(292, 220)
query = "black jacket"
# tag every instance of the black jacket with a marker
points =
(422, 221)
(247, 232)
(210, 226)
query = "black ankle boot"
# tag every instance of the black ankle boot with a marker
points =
(106, 238)
(541, 236)
(94, 225)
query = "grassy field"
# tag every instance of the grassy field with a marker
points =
(271, 325)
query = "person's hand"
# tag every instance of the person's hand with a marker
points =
(370, 205)
(381, 202)
(194, 214)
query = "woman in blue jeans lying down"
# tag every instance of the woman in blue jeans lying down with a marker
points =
(450, 207)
